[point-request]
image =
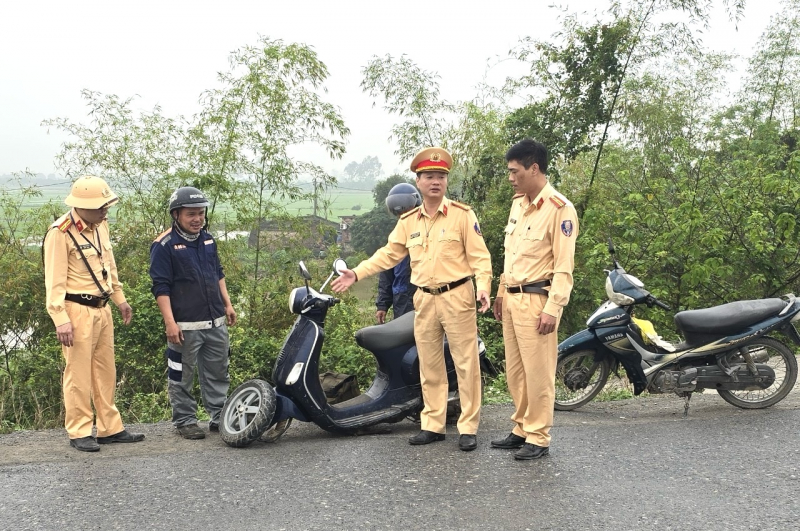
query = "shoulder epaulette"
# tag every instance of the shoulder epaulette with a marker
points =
(462, 206)
(65, 225)
(412, 211)
(557, 201)
(163, 237)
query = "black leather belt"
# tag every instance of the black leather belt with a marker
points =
(87, 300)
(534, 287)
(446, 287)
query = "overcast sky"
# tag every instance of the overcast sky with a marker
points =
(168, 51)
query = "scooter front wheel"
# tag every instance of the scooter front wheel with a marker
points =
(579, 378)
(247, 413)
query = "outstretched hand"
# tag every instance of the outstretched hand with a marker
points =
(345, 280)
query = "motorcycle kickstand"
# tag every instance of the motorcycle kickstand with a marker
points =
(686, 398)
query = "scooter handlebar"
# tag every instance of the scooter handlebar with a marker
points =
(655, 302)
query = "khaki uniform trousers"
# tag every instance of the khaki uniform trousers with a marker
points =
(531, 361)
(90, 374)
(452, 313)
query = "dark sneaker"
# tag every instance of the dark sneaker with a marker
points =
(85, 444)
(425, 437)
(122, 437)
(467, 442)
(213, 426)
(191, 431)
(510, 442)
(531, 451)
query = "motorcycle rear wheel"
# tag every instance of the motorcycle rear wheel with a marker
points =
(783, 362)
(587, 379)
(247, 413)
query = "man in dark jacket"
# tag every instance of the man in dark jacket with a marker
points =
(189, 287)
(395, 289)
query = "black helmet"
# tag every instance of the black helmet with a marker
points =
(187, 196)
(402, 198)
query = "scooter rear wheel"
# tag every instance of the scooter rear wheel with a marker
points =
(579, 379)
(247, 413)
(783, 362)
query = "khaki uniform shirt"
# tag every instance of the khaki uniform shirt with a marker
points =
(64, 269)
(444, 248)
(540, 245)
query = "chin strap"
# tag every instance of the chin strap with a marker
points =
(185, 235)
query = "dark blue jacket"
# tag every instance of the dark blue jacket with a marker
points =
(189, 272)
(395, 289)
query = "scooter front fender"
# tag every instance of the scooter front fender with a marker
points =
(286, 408)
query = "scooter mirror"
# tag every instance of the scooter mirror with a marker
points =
(339, 265)
(304, 271)
(611, 249)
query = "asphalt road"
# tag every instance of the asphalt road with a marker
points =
(628, 465)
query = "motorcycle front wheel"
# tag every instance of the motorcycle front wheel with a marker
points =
(579, 378)
(247, 413)
(783, 362)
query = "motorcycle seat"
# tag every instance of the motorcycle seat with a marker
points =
(395, 333)
(726, 319)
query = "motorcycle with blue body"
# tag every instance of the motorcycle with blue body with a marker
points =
(258, 410)
(729, 348)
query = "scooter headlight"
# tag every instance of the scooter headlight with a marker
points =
(617, 298)
(296, 298)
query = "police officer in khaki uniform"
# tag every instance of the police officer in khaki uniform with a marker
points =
(534, 288)
(80, 278)
(444, 242)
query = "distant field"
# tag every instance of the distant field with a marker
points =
(337, 202)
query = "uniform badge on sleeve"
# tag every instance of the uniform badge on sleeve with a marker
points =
(566, 227)
(478, 229)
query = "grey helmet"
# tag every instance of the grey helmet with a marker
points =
(187, 197)
(402, 198)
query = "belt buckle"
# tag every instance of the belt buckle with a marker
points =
(436, 291)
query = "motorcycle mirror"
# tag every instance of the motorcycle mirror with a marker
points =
(339, 265)
(304, 271)
(612, 251)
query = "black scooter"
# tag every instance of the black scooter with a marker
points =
(257, 410)
(726, 348)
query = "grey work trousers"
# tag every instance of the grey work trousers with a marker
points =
(208, 351)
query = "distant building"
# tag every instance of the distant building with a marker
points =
(312, 232)
(345, 222)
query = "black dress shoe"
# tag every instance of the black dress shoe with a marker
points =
(510, 442)
(531, 451)
(467, 443)
(85, 444)
(122, 437)
(426, 437)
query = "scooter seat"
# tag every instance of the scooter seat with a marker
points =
(393, 334)
(726, 319)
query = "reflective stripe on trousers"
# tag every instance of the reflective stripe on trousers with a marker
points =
(208, 351)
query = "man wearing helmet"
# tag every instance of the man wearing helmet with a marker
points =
(395, 289)
(446, 248)
(80, 277)
(189, 287)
